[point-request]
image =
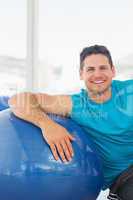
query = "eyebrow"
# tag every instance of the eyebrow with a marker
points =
(98, 66)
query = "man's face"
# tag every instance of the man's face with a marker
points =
(97, 73)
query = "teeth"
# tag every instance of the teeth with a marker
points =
(98, 81)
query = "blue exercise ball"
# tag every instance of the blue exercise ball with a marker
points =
(3, 102)
(28, 169)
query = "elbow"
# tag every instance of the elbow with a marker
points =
(12, 102)
(19, 101)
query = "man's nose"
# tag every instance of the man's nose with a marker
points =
(97, 72)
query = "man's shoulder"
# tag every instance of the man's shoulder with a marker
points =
(122, 83)
(81, 94)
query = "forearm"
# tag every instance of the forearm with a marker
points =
(26, 107)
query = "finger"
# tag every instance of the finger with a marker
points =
(54, 151)
(71, 137)
(69, 146)
(61, 152)
(66, 150)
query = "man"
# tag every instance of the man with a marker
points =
(105, 111)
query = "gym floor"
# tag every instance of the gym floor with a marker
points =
(103, 195)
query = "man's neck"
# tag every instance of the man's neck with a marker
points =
(101, 97)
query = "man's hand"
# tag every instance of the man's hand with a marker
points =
(33, 108)
(59, 140)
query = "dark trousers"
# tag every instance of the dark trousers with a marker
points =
(122, 188)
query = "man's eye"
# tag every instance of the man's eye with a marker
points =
(104, 68)
(90, 69)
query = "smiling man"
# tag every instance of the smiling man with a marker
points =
(104, 109)
(97, 71)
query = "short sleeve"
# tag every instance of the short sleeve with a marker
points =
(78, 104)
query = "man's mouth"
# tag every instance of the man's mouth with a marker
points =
(98, 82)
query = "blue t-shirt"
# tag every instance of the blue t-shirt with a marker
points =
(110, 125)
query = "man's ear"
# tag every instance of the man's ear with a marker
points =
(81, 74)
(113, 71)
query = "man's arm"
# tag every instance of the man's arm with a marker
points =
(33, 108)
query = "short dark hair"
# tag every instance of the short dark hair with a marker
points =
(96, 49)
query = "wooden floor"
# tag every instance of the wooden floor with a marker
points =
(103, 195)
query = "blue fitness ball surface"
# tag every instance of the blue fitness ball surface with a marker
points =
(28, 170)
(3, 102)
